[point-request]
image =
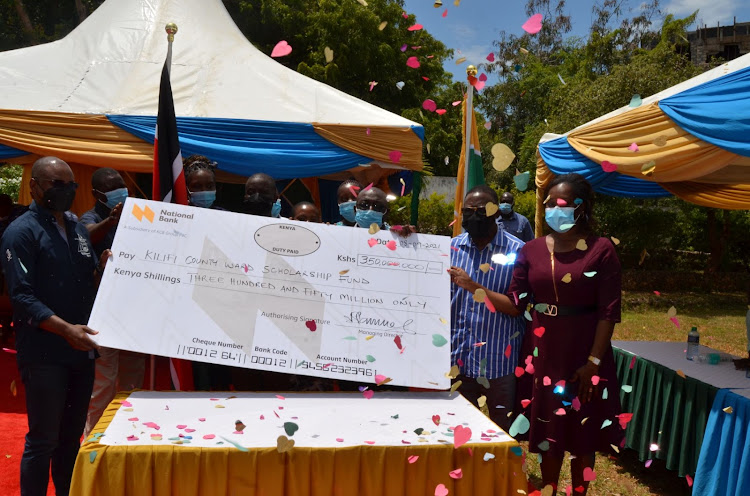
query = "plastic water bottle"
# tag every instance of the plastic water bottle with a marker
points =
(693, 344)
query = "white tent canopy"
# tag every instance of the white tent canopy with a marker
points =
(111, 64)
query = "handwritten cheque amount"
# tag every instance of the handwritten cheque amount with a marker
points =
(273, 294)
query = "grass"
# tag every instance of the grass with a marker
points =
(720, 318)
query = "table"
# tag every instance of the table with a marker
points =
(669, 410)
(724, 463)
(345, 444)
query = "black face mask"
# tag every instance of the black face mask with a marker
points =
(478, 227)
(257, 204)
(59, 198)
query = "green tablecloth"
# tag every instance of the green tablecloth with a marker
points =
(668, 410)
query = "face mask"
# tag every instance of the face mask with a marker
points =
(116, 196)
(276, 209)
(59, 198)
(560, 219)
(365, 218)
(346, 210)
(478, 226)
(257, 204)
(203, 199)
(506, 208)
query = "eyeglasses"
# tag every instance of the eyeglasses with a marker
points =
(57, 183)
(469, 211)
(371, 205)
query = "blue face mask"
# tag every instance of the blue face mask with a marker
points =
(506, 208)
(116, 196)
(276, 209)
(346, 210)
(560, 219)
(365, 218)
(203, 199)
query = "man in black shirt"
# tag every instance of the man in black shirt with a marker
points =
(50, 268)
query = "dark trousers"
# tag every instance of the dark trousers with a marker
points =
(500, 397)
(57, 400)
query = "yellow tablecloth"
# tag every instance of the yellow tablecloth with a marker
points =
(367, 470)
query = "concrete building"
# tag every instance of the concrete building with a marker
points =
(725, 42)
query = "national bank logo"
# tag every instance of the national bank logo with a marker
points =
(146, 213)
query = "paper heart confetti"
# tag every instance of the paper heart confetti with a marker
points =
(547, 381)
(648, 168)
(92, 456)
(391, 245)
(635, 101)
(590, 274)
(660, 140)
(567, 278)
(485, 267)
(413, 62)
(415, 27)
(439, 340)
(290, 428)
(282, 49)
(374, 228)
(525, 403)
(400, 85)
(456, 474)
(608, 166)
(633, 147)
(491, 209)
(588, 474)
(461, 435)
(368, 394)
(328, 53)
(310, 324)
(672, 312)
(479, 295)
(209, 436)
(395, 156)
(461, 61)
(521, 179)
(502, 155)
(441, 490)
(533, 25)
(284, 444)
(581, 245)
(413, 458)
(488, 456)
(382, 25)
(440, 112)
(372, 242)
(429, 105)
(436, 419)
(539, 332)
(519, 426)
(547, 490)
(381, 379)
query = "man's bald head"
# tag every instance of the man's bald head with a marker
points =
(261, 183)
(44, 167)
(507, 198)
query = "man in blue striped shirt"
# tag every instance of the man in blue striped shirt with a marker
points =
(484, 343)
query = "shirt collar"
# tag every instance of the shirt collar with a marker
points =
(47, 213)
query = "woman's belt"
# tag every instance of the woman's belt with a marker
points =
(564, 310)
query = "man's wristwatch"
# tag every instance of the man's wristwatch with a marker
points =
(594, 360)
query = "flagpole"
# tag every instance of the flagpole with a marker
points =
(471, 72)
(171, 30)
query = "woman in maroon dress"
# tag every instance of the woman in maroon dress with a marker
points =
(568, 390)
